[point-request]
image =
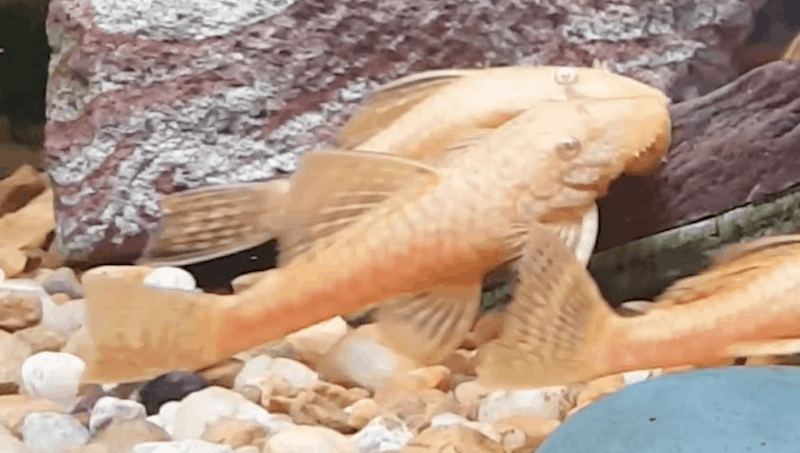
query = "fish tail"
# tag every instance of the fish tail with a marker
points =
(209, 222)
(557, 328)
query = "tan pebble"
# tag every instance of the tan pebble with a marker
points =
(29, 226)
(14, 408)
(223, 373)
(308, 439)
(532, 429)
(9, 388)
(234, 432)
(313, 342)
(455, 438)
(42, 338)
(357, 393)
(60, 298)
(278, 404)
(431, 377)
(12, 261)
(20, 187)
(361, 412)
(252, 393)
(14, 352)
(488, 328)
(469, 395)
(339, 395)
(417, 407)
(461, 361)
(18, 311)
(122, 435)
(334, 419)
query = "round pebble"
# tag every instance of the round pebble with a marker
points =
(109, 408)
(167, 277)
(47, 431)
(54, 376)
(168, 387)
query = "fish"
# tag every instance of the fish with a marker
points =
(377, 229)
(418, 117)
(559, 330)
(792, 51)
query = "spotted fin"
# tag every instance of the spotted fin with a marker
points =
(335, 188)
(557, 314)
(206, 223)
(391, 101)
(430, 325)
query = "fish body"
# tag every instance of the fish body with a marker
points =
(364, 228)
(746, 304)
(424, 117)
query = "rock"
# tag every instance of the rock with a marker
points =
(339, 395)
(49, 431)
(547, 402)
(121, 435)
(308, 439)
(524, 433)
(181, 446)
(19, 188)
(14, 409)
(174, 109)
(635, 377)
(457, 438)
(362, 412)
(19, 310)
(29, 226)
(54, 376)
(416, 407)
(173, 386)
(168, 412)
(382, 435)
(749, 408)
(313, 342)
(65, 318)
(9, 388)
(109, 408)
(222, 374)
(360, 359)
(170, 278)
(469, 395)
(10, 443)
(295, 373)
(264, 369)
(234, 432)
(13, 354)
(206, 406)
(41, 338)
(12, 261)
(64, 281)
(253, 371)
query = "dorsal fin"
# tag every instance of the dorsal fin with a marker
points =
(391, 101)
(333, 189)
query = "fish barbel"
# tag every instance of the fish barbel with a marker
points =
(559, 330)
(363, 228)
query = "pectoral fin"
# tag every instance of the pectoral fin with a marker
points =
(391, 101)
(210, 222)
(557, 314)
(580, 237)
(429, 326)
(785, 346)
(335, 188)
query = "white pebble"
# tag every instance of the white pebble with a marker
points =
(307, 439)
(109, 408)
(156, 420)
(49, 431)
(547, 402)
(167, 277)
(54, 376)
(181, 446)
(295, 373)
(635, 377)
(167, 412)
(252, 371)
(66, 318)
(381, 435)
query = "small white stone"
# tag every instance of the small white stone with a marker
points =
(167, 277)
(65, 318)
(181, 446)
(109, 408)
(447, 419)
(637, 376)
(253, 371)
(308, 439)
(382, 435)
(547, 402)
(295, 373)
(54, 376)
(49, 431)
(167, 412)
(156, 420)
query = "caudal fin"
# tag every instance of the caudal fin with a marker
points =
(137, 332)
(553, 326)
(210, 222)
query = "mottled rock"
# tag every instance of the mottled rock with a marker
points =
(151, 102)
(109, 408)
(19, 310)
(49, 431)
(173, 386)
(54, 376)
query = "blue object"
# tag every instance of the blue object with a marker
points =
(735, 409)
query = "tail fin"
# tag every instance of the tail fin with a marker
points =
(554, 324)
(137, 332)
(210, 222)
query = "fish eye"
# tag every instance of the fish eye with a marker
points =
(566, 76)
(568, 148)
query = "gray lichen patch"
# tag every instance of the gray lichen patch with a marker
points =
(183, 19)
